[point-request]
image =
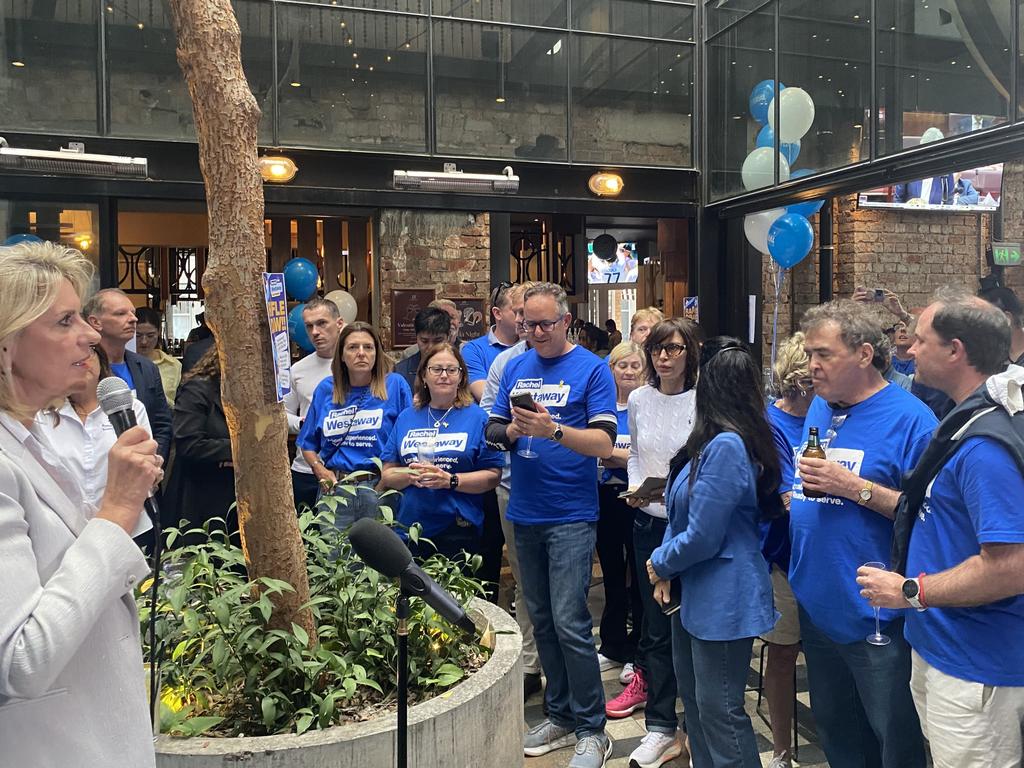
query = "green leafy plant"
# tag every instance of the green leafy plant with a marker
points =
(225, 672)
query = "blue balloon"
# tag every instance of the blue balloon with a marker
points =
(790, 238)
(300, 278)
(810, 207)
(297, 329)
(766, 138)
(22, 237)
(760, 98)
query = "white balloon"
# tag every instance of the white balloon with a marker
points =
(932, 134)
(756, 226)
(796, 112)
(759, 168)
(346, 304)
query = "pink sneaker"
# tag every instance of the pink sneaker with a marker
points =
(634, 697)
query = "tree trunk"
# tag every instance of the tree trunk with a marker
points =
(226, 119)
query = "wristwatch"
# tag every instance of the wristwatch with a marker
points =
(453, 482)
(912, 593)
(865, 493)
(557, 434)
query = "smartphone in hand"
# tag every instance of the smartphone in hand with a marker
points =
(672, 606)
(524, 400)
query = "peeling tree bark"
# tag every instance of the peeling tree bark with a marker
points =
(226, 119)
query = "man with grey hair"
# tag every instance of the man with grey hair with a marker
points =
(841, 516)
(965, 555)
(555, 412)
(112, 314)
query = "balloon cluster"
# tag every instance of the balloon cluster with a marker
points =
(783, 233)
(301, 278)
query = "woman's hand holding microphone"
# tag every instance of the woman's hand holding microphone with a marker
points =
(133, 469)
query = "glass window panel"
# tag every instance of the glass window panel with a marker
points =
(631, 101)
(941, 65)
(405, 6)
(41, 91)
(351, 79)
(538, 13)
(673, 21)
(718, 14)
(738, 59)
(500, 91)
(148, 95)
(826, 51)
(72, 224)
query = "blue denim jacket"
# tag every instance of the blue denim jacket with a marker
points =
(713, 546)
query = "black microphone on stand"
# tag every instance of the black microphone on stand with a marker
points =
(381, 549)
(115, 399)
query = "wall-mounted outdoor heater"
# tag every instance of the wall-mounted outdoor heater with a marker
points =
(72, 160)
(452, 180)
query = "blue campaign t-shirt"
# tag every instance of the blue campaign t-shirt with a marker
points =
(578, 390)
(479, 354)
(459, 446)
(878, 439)
(622, 441)
(977, 498)
(349, 435)
(906, 367)
(787, 432)
(122, 372)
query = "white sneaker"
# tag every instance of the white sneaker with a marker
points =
(781, 761)
(626, 675)
(606, 663)
(655, 749)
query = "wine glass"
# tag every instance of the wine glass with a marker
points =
(528, 452)
(877, 638)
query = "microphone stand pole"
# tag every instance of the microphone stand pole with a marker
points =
(402, 732)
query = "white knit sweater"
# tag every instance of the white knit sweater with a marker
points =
(658, 427)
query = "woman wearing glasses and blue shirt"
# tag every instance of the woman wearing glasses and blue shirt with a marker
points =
(436, 455)
(721, 483)
(350, 418)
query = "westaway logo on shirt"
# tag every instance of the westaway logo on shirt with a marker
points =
(454, 442)
(342, 420)
(850, 458)
(622, 442)
(548, 395)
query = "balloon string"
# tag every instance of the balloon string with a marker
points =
(779, 277)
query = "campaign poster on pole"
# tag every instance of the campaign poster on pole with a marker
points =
(277, 317)
(691, 308)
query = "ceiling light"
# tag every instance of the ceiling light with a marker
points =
(277, 168)
(17, 63)
(295, 84)
(605, 184)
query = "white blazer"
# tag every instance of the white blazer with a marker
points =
(72, 689)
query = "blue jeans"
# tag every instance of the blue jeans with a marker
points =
(711, 676)
(654, 651)
(351, 508)
(861, 701)
(555, 565)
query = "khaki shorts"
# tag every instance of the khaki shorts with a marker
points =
(787, 629)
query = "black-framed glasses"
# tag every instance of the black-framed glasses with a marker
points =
(451, 370)
(499, 290)
(544, 325)
(671, 349)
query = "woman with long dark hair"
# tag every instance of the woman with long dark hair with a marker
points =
(720, 484)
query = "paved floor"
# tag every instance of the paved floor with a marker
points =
(628, 732)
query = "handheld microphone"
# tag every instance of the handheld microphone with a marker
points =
(116, 401)
(381, 549)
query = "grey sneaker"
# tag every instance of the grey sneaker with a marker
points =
(546, 737)
(781, 761)
(591, 751)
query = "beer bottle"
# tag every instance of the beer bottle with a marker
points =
(813, 451)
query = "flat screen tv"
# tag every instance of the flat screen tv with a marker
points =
(618, 267)
(978, 190)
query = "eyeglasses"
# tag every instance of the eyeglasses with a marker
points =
(499, 291)
(451, 370)
(833, 428)
(544, 325)
(672, 350)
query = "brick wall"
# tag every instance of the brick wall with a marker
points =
(1013, 217)
(447, 251)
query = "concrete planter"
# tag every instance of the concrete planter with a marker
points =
(479, 721)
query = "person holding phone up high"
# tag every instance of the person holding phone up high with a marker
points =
(554, 509)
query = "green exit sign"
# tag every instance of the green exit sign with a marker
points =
(1006, 254)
